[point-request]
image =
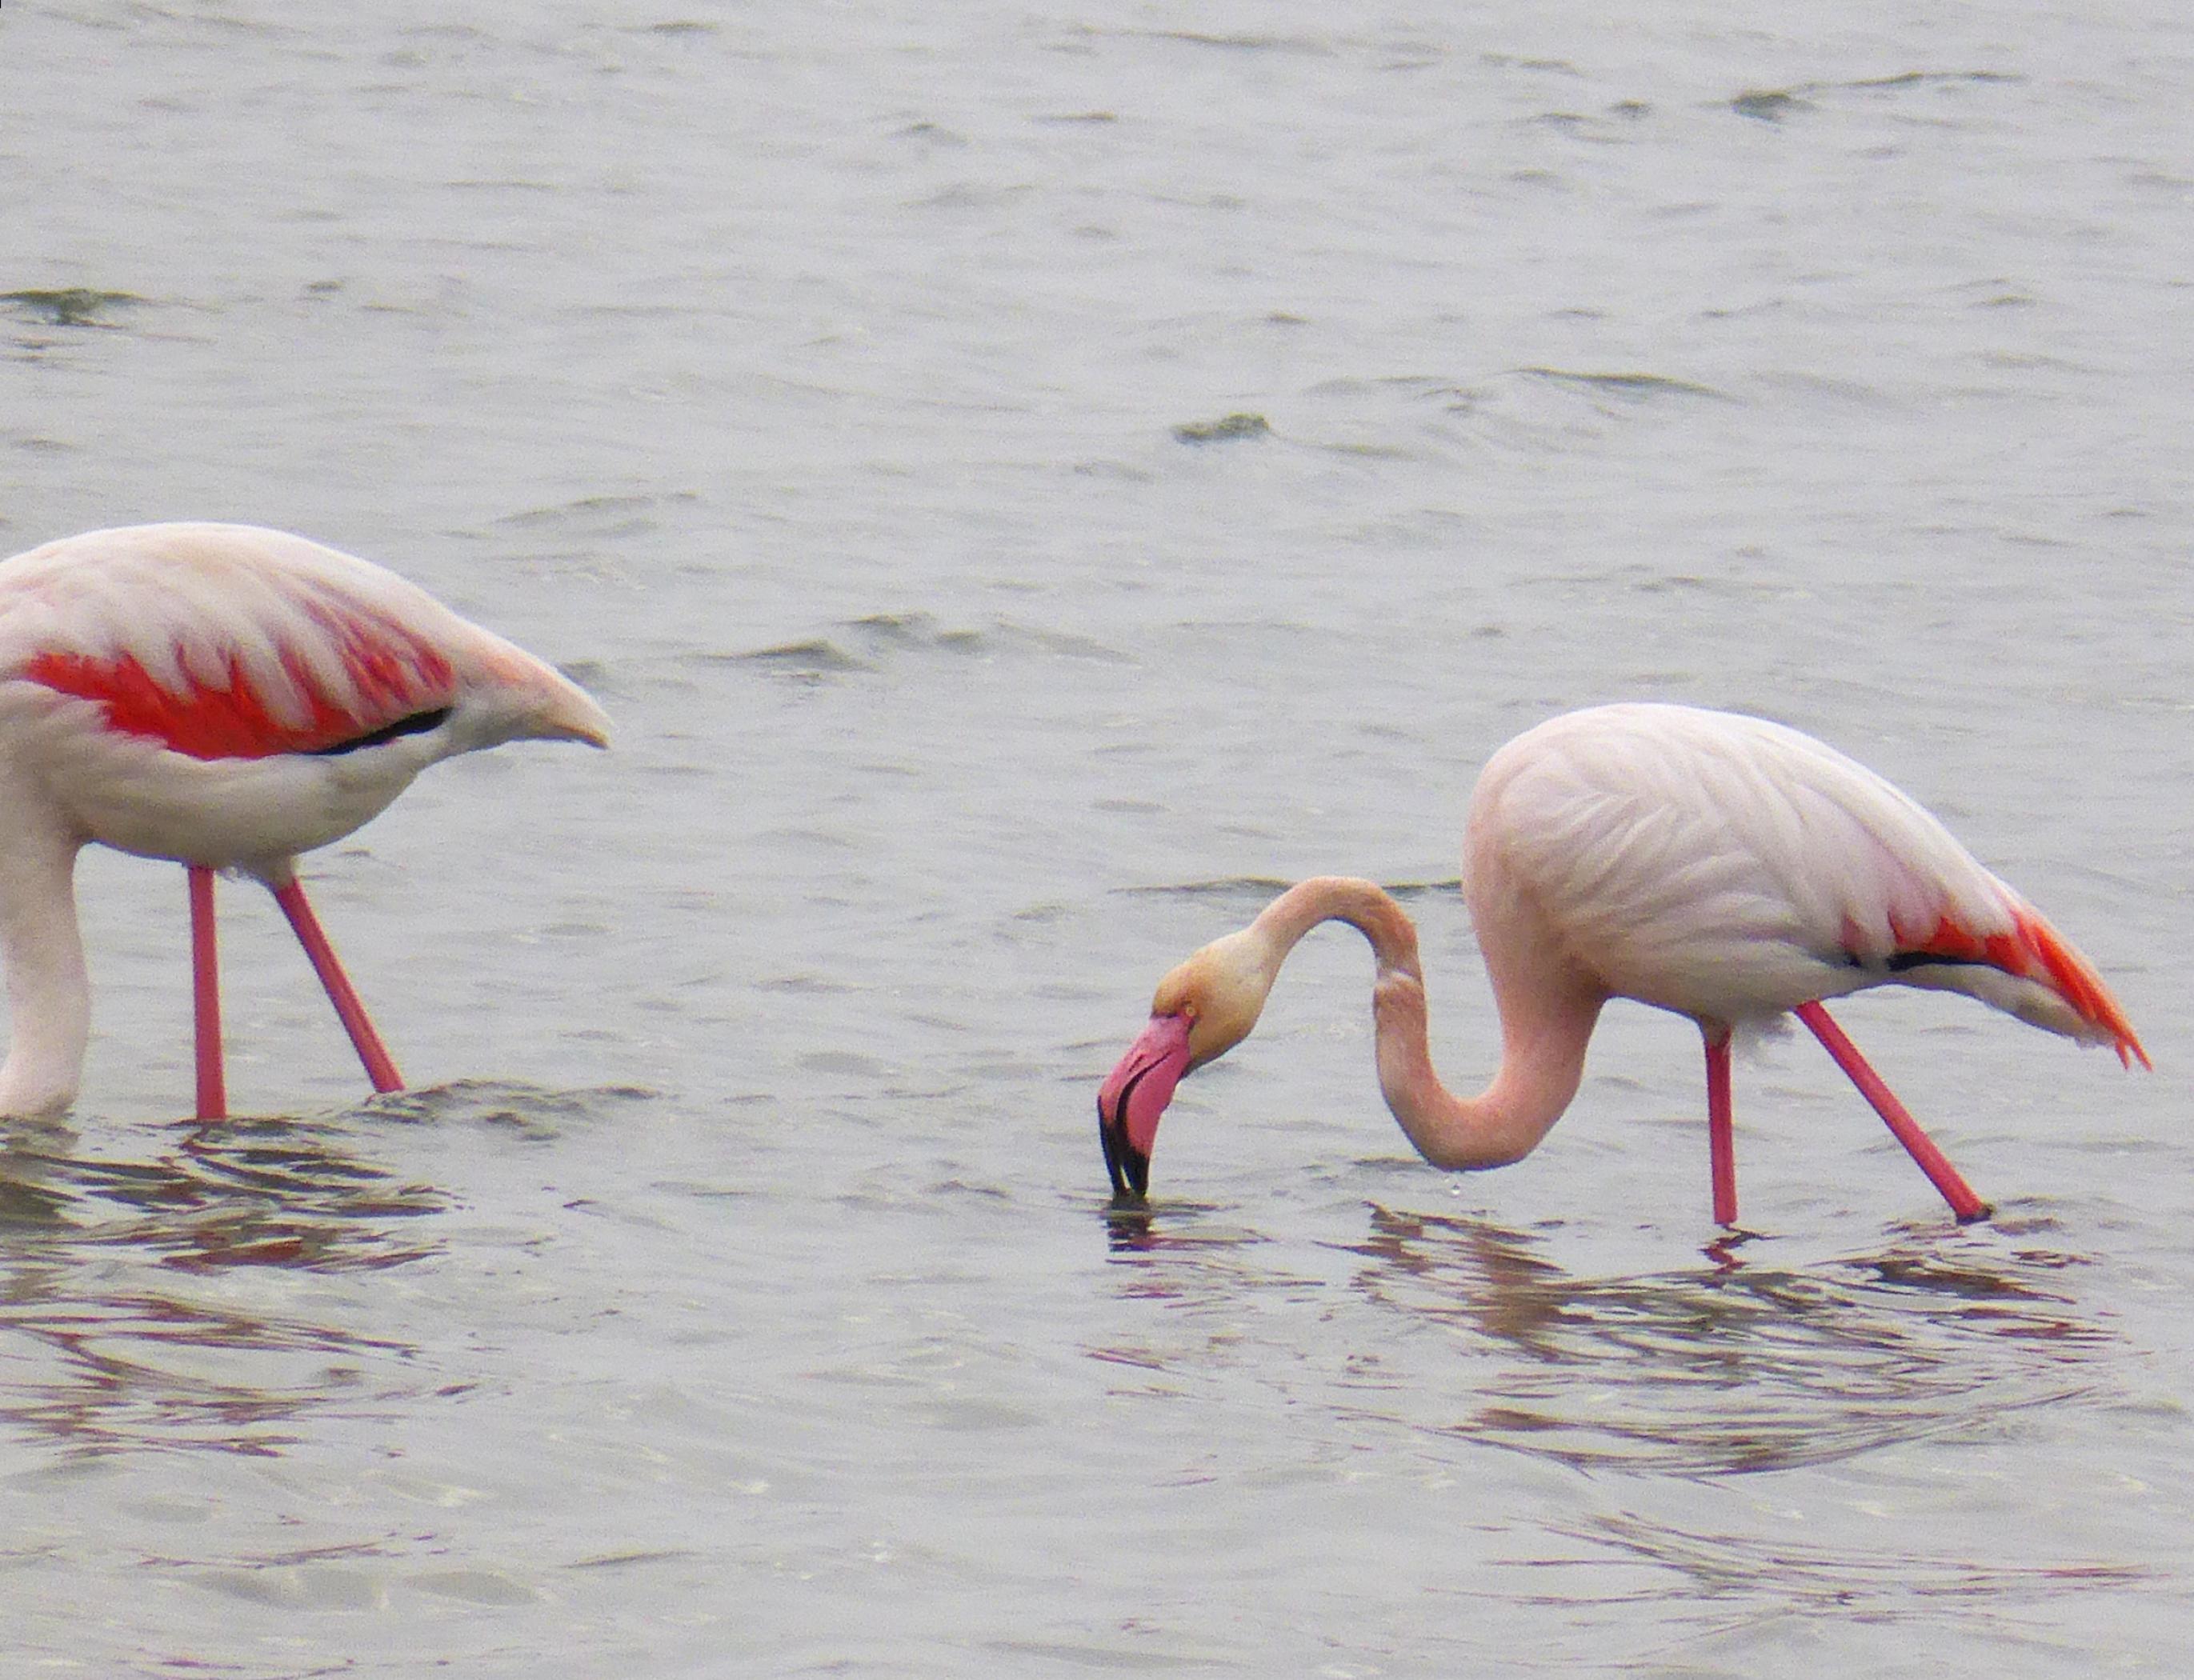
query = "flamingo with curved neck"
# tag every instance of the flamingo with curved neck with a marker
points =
(1722, 867)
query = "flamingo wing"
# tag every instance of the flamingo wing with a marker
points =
(1732, 868)
(224, 641)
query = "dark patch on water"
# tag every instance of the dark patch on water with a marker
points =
(1774, 104)
(813, 659)
(1243, 43)
(933, 133)
(1921, 78)
(1232, 429)
(868, 644)
(1542, 65)
(1767, 104)
(1637, 386)
(70, 306)
(602, 519)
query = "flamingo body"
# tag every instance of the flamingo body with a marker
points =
(1729, 868)
(1725, 868)
(226, 696)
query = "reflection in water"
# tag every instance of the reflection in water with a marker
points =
(127, 1312)
(1134, 1230)
(1743, 1367)
(264, 1191)
(1736, 1366)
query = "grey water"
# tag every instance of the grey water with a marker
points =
(848, 396)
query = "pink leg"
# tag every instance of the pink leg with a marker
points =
(205, 995)
(1721, 1136)
(371, 1050)
(1906, 1130)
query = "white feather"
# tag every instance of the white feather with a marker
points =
(1729, 868)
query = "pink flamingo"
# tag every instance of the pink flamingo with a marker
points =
(227, 697)
(1718, 866)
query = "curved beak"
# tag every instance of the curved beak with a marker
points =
(571, 714)
(542, 703)
(1130, 1101)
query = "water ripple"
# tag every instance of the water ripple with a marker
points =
(1792, 1572)
(1739, 1367)
(874, 643)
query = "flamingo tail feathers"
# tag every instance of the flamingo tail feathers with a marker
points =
(2073, 978)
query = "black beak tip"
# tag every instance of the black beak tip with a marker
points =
(1138, 1174)
(1128, 1166)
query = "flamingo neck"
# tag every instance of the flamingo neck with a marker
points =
(1364, 906)
(48, 992)
(1546, 1019)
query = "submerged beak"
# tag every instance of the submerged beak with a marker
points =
(1130, 1101)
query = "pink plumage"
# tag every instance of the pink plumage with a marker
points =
(1728, 869)
(228, 697)
(1731, 869)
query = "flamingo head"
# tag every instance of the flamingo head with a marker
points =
(1203, 1008)
(538, 703)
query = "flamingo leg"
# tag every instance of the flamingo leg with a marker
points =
(205, 995)
(1721, 1134)
(1906, 1130)
(291, 896)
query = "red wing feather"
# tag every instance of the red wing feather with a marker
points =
(2074, 979)
(390, 677)
(2035, 951)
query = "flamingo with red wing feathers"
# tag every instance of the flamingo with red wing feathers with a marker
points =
(1721, 867)
(227, 697)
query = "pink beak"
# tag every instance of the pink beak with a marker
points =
(1131, 1100)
